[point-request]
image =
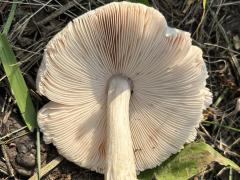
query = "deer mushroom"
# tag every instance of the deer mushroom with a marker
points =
(126, 91)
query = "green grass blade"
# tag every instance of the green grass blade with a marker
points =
(222, 126)
(11, 15)
(47, 168)
(17, 83)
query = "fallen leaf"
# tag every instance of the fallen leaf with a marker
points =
(192, 160)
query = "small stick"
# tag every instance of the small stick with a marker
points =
(231, 153)
(58, 12)
(234, 143)
(4, 172)
(9, 140)
(9, 166)
(12, 133)
(220, 173)
(206, 132)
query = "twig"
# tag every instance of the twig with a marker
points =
(231, 153)
(35, 13)
(222, 47)
(221, 172)
(9, 166)
(205, 131)
(234, 143)
(4, 172)
(12, 133)
(58, 12)
(6, 142)
(7, 115)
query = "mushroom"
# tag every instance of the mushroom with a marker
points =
(126, 91)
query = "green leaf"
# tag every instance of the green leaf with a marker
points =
(192, 160)
(17, 83)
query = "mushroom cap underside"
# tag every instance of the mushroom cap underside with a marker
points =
(168, 75)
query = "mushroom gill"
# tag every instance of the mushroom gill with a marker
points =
(119, 74)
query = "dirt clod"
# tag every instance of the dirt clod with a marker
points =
(26, 160)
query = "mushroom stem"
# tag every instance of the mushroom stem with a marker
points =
(120, 161)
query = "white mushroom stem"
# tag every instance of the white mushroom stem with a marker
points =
(120, 163)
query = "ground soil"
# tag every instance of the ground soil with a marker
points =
(216, 30)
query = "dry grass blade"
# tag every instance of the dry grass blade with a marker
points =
(17, 83)
(204, 4)
(46, 169)
(38, 154)
(9, 166)
(58, 12)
